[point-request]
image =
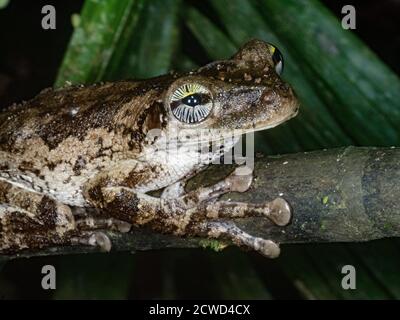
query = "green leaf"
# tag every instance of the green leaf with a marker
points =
(152, 48)
(214, 41)
(361, 92)
(4, 3)
(100, 37)
(183, 63)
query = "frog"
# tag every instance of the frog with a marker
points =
(79, 161)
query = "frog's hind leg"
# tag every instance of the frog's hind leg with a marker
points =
(37, 210)
(30, 220)
(21, 230)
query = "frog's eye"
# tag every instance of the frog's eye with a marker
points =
(191, 103)
(277, 58)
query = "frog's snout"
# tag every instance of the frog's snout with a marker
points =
(279, 104)
(294, 102)
(290, 106)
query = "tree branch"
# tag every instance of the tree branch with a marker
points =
(346, 194)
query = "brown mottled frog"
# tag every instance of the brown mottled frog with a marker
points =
(79, 160)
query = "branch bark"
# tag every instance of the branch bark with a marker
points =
(339, 195)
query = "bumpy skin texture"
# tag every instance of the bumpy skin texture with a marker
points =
(81, 159)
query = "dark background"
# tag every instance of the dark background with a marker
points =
(29, 60)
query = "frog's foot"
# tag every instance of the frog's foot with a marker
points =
(278, 210)
(225, 230)
(95, 239)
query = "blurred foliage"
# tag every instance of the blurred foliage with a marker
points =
(348, 97)
(96, 276)
(102, 32)
(4, 3)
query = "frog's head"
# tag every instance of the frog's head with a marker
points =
(243, 93)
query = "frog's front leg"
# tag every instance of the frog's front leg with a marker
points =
(240, 180)
(210, 216)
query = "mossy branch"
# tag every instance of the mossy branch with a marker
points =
(339, 195)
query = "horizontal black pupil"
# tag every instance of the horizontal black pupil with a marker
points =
(192, 100)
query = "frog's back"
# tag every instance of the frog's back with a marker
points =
(55, 115)
(74, 113)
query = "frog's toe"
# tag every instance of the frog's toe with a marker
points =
(122, 226)
(101, 240)
(267, 248)
(279, 212)
(240, 180)
(95, 239)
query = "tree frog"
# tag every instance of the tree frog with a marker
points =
(78, 160)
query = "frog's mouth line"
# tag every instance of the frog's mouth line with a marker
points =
(233, 134)
(219, 136)
(275, 124)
